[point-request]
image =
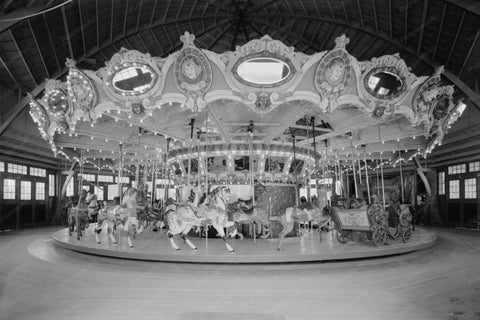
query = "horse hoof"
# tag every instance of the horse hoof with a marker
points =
(131, 246)
(177, 249)
(98, 242)
(194, 249)
(280, 249)
(232, 252)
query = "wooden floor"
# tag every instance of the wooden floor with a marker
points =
(40, 280)
(155, 246)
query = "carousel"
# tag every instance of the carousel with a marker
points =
(262, 154)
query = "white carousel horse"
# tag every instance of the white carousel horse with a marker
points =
(106, 217)
(127, 213)
(214, 209)
(93, 206)
(179, 218)
(78, 216)
(306, 213)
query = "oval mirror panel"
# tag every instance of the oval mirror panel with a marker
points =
(58, 102)
(263, 71)
(384, 84)
(134, 79)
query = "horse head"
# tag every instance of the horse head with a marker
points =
(220, 197)
(129, 199)
(82, 199)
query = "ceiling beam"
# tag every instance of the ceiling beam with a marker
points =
(156, 40)
(67, 33)
(165, 14)
(405, 39)
(35, 40)
(469, 53)
(375, 15)
(125, 18)
(296, 126)
(22, 57)
(390, 19)
(439, 30)
(455, 40)
(153, 13)
(234, 39)
(98, 24)
(81, 27)
(360, 13)
(139, 15)
(193, 9)
(51, 41)
(180, 10)
(143, 42)
(10, 73)
(345, 12)
(422, 26)
(220, 35)
(331, 11)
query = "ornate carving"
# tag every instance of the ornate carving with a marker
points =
(55, 101)
(192, 73)
(333, 73)
(81, 91)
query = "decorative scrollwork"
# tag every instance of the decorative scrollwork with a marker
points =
(192, 73)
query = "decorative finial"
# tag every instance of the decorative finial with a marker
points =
(187, 39)
(341, 42)
(70, 63)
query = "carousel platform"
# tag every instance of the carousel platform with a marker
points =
(155, 246)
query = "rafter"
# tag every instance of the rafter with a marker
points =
(234, 39)
(67, 33)
(375, 15)
(20, 53)
(469, 53)
(327, 38)
(406, 24)
(156, 40)
(125, 18)
(422, 26)
(180, 9)
(331, 11)
(390, 19)
(143, 42)
(168, 37)
(111, 20)
(439, 30)
(360, 13)
(98, 24)
(221, 34)
(455, 40)
(38, 48)
(166, 11)
(81, 26)
(153, 13)
(345, 12)
(139, 15)
(10, 73)
(51, 41)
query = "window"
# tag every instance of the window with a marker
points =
(25, 190)
(38, 172)
(40, 191)
(15, 168)
(8, 189)
(87, 177)
(474, 166)
(461, 168)
(51, 185)
(2, 166)
(471, 188)
(102, 178)
(99, 193)
(122, 180)
(441, 183)
(112, 191)
(69, 191)
(454, 190)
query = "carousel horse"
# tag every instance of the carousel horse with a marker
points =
(93, 206)
(245, 212)
(309, 212)
(214, 210)
(127, 213)
(179, 218)
(106, 217)
(78, 215)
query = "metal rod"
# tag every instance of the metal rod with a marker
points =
(401, 175)
(366, 175)
(354, 173)
(315, 154)
(120, 169)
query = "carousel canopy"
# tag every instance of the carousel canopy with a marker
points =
(203, 80)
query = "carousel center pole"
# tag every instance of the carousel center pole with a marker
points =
(252, 186)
